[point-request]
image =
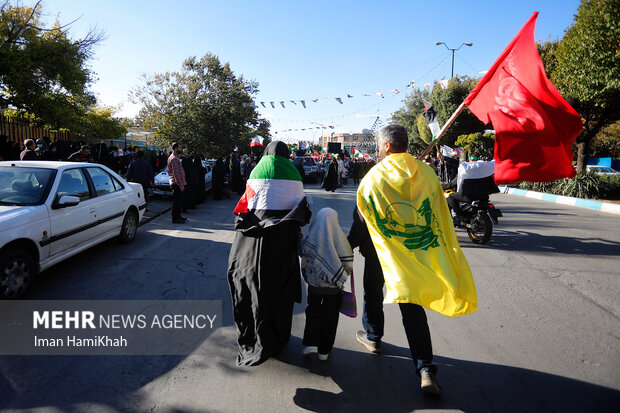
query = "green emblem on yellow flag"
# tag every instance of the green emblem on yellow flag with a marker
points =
(416, 226)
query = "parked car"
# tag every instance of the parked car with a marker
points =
(602, 170)
(162, 181)
(311, 170)
(50, 211)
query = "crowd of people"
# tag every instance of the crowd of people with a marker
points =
(421, 266)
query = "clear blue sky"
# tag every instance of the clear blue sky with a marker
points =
(306, 50)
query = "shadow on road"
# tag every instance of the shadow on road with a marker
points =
(530, 241)
(369, 385)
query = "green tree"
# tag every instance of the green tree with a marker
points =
(408, 115)
(482, 144)
(204, 106)
(446, 102)
(100, 123)
(607, 142)
(587, 71)
(42, 70)
(547, 51)
(424, 132)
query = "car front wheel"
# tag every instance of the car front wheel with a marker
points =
(16, 273)
(129, 228)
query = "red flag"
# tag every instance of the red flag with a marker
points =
(535, 127)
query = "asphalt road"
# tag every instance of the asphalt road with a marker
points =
(546, 336)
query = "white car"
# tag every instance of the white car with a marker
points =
(162, 181)
(50, 211)
(602, 170)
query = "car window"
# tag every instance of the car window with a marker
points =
(117, 185)
(73, 183)
(101, 180)
(24, 186)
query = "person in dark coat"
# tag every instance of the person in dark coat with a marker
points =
(355, 171)
(192, 183)
(200, 179)
(218, 176)
(236, 179)
(140, 171)
(330, 182)
(6, 151)
(51, 153)
(28, 154)
(264, 273)
(83, 155)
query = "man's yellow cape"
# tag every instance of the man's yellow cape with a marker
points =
(411, 228)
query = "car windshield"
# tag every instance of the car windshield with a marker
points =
(25, 186)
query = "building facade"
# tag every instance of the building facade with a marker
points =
(362, 141)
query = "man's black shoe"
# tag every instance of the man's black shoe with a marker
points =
(179, 220)
(372, 346)
(428, 382)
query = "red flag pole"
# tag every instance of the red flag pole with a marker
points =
(442, 131)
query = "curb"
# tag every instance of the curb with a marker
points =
(149, 219)
(564, 200)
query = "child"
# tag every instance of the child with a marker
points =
(326, 263)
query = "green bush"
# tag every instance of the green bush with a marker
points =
(587, 184)
(610, 187)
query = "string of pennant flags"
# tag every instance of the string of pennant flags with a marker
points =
(340, 100)
(273, 104)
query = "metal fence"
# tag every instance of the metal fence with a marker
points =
(18, 131)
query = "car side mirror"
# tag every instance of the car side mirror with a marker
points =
(66, 201)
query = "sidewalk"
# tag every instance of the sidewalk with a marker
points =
(157, 206)
(565, 200)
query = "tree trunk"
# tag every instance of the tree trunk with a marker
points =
(582, 155)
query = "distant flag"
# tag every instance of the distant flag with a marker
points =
(349, 96)
(339, 100)
(263, 103)
(315, 100)
(257, 141)
(431, 118)
(395, 91)
(379, 94)
(272, 105)
(444, 83)
(303, 103)
(293, 102)
(427, 85)
(331, 127)
(411, 84)
(366, 94)
(282, 103)
(326, 97)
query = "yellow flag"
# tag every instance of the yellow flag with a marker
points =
(411, 228)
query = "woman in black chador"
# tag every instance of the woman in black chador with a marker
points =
(219, 176)
(263, 267)
(330, 182)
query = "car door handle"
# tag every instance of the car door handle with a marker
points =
(92, 211)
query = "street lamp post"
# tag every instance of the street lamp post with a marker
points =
(453, 50)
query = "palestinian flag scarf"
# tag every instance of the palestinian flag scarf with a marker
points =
(274, 184)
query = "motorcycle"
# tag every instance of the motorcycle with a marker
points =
(478, 219)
